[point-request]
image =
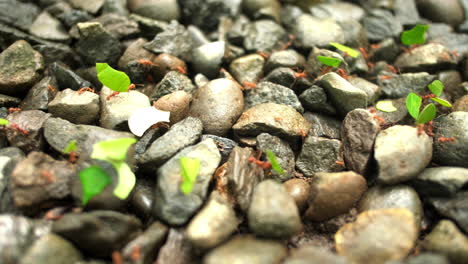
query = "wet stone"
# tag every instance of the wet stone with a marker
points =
(165, 10)
(218, 105)
(207, 58)
(334, 194)
(323, 125)
(40, 95)
(264, 35)
(284, 58)
(20, 68)
(319, 154)
(315, 99)
(429, 57)
(358, 134)
(173, 206)
(264, 8)
(247, 68)
(399, 228)
(451, 153)
(454, 208)
(244, 249)
(51, 249)
(401, 154)
(97, 233)
(174, 40)
(66, 78)
(441, 181)
(311, 32)
(381, 24)
(225, 145)
(267, 92)
(147, 244)
(283, 152)
(75, 107)
(29, 137)
(402, 84)
(173, 81)
(47, 27)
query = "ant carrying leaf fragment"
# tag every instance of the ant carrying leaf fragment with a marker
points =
(329, 61)
(415, 36)
(190, 169)
(385, 106)
(4, 122)
(347, 50)
(115, 80)
(93, 180)
(275, 165)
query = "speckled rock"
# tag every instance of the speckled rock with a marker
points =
(429, 57)
(398, 236)
(218, 105)
(315, 99)
(311, 31)
(267, 92)
(248, 68)
(75, 107)
(31, 121)
(334, 194)
(51, 249)
(264, 35)
(324, 125)
(451, 153)
(319, 154)
(282, 150)
(401, 154)
(440, 181)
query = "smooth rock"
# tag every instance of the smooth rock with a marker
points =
(267, 92)
(451, 153)
(340, 12)
(218, 105)
(429, 57)
(282, 151)
(47, 27)
(449, 12)
(284, 58)
(29, 138)
(299, 190)
(174, 40)
(40, 95)
(207, 59)
(312, 31)
(440, 181)
(402, 84)
(319, 154)
(381, 24)
(75, 107)
(165, 10)
(309, 253)
(454, 208)
(315, 99)
(263, 8)
(66, 78)
(398, 234)
(401, 154)
(147, 244)
(142, 198)
(51, 249)
(334, 194)
(264, 35)
(90, 6)
(248, 68)
(169, 63)
(177, 103)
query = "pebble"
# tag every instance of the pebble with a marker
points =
(9, 158)
(283, 152)
(20, 68)
(285, 58)
(31, 121)
(402, 84)
(218, 105)
(406, 12)
(449, 12)
(179, 136)
(341, 12)
(40, 95)
(18, 14)
(245, 249)
(88, 5)
(344, 95)
(312, 31)
(319, 154)
(97, 233)
(116, 111)
(372, 90)
(207, 58)
(146, 244)
(381, 24)
(208, 14)
(142, 198)
(264, 8)
(398, 227)
(461, 104)
(395, 196)
(118, 26)
(401, 154)
(169, 63)
(264, 35)
(267, 92)
(66, 78)
(176, 242)
(225, 145)
(173, 81)
(74, 107)
(47, 27)
(334, 194)
(324, 125)
(429, 57)
(177, 103)
(453, 153)
(165, 10)
(315, 99)
(247, 68)
(213, 224)
(173, 206)
(454, 208)
(134, 52)
(309, 253)
(299, 190)
(359, 131)
(51, 249)
(440, 181)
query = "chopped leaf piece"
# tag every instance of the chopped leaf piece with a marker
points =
(144, 118)
(112, 150)
(427, 114)
(413, 103)
(4, 122)
(93, 180)
(126, 180)
(385, 106)
(436, 87)
(416, 35)
(113, 79)
(189, 168)
(329, 61)
(442, 102)
(350, 51)
(71, 147)
(275, 165)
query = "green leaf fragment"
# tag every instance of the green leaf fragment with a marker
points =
(112, 150)
(189, 168)
(413, 104)
(442, 102)
(4, 122)
(385, 106)
(93, 180)
(126, 182)
(436, 87)
(113, 79)
(427, 114)
(275, 165)
(71, 147)
(350, 51)
(416, 35)
(329, 61)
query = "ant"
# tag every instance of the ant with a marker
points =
(117, 257)
(55, 213)
(263, 164)
(47, 175)
(146, 62)
(136, 254)
(130, 87)
(85, 89)
(249, 85)
(278, 119)
(385, 77)
(428, 127)
(300, 74)
(181, 70)
(342, 73)
(19, 129)
(14, 109)
(378, 118)
(51, 88)
(340, 163)
(72, 157)
(303, 133)
(446, 139)
(263, 54)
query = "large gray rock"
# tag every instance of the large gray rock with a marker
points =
(449, 11)
(312, 31)
(47, 27)
(451, 153)
(76, 107)
(51, 249)
(381, 24)
(319, 154)
(267, 92)
(401, 153)
(429, 57)
(402, 84)
(173, 206)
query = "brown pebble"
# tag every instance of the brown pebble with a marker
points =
(177, 103)
(299, 190)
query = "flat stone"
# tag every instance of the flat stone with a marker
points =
(429, 57)
(51, 249)
(319, 154)
(402, 84)
(312, 31)
(248, 68)
(75, 107)
(451, 153)
(174, 40)
(283, 152)
(47, 27)
(267, 92)
(31, 121)
(334, 194)
(440, 181)
(401, 154)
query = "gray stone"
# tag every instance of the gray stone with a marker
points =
(282, 76)
(398, 234)
(118, 26)
(319, 154)
(324, 126)
(381, 24)
(401, 153)
(449, 12)
(355, 33)
(267, 92)
(9, 157)
(225, 145)
(218, 105)
(179, 136)
(283, 152)
(90, 6)
(29, 135)
(358, 134)
(51, 249)
(174, 40)
(40, 95)
(176, 242)
(213, 224)
(446, 239)
(264, 35)
(207, 14)
(452, 153)
(343, 94)
(173, 81)
(406, 12)
(452, 80)
(315, 99)
(311, 32)
(47, 27)
(97, 233)
(440, 181)
(115, 6)
(78, 108)
(147, 244)
(248, 68)
(149, 27)
(207, 59)
(429, 57)
(165, 10)
(264, 8)
(97, 45)
(372, 90)
(454, 208)
(308, 253)
(20, 68)
(116, 111)
(284, 58)
(454, 42)
(340, 12)
(173, 206)
(387, 50)
(18, 14)
(244, 249)
(397, 196)
(66, 78)
(402, 84)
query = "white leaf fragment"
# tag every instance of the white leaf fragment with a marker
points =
(144, 118)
